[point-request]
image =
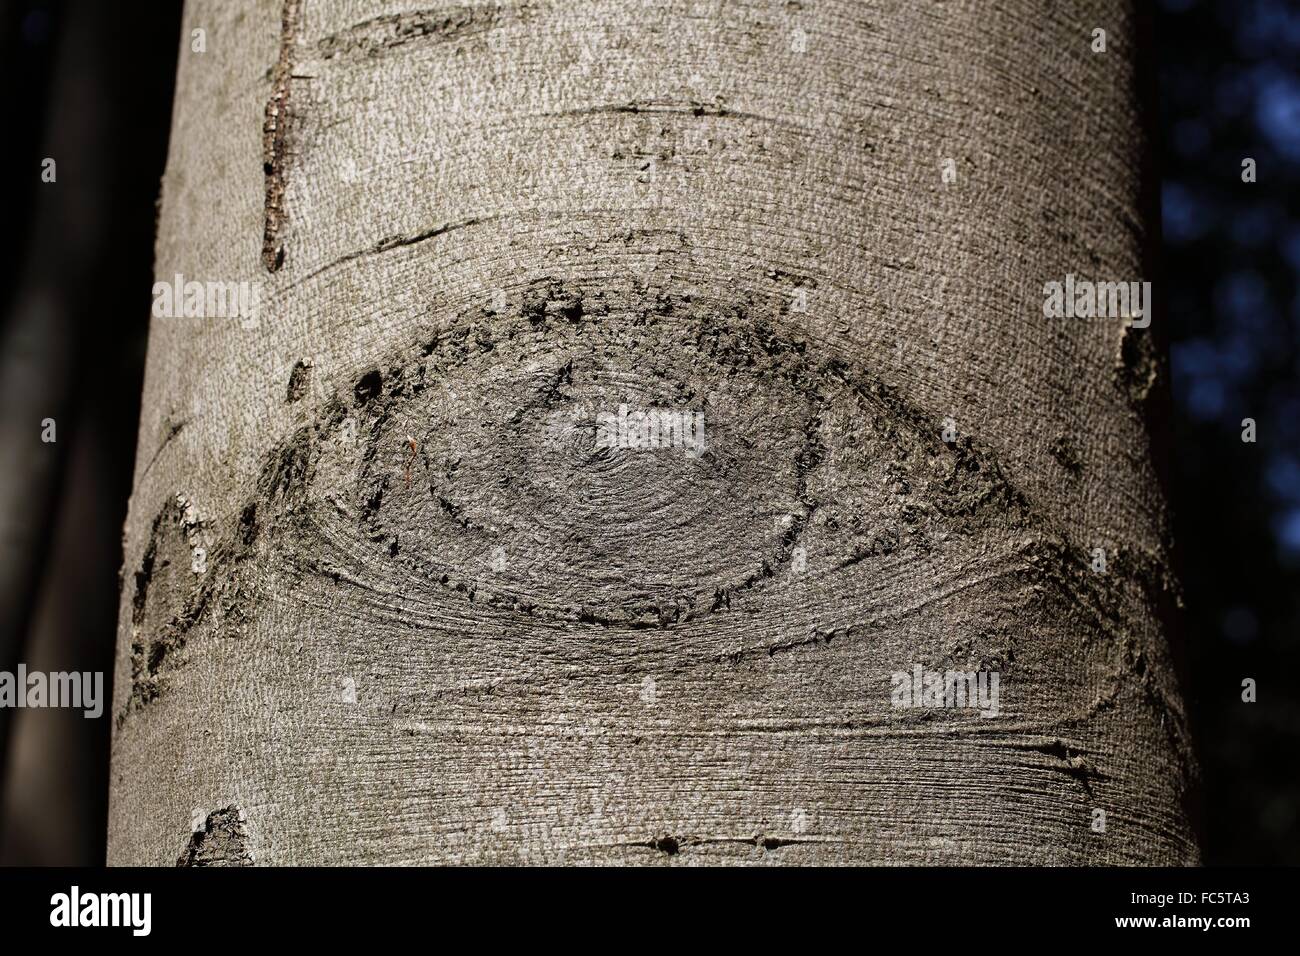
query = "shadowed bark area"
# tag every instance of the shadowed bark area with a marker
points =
(437, 618)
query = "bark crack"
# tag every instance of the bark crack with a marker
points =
(275, 133)
(396, 242)
(378, 35)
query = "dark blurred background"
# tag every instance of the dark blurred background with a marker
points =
(1230, 90)
(90, 84)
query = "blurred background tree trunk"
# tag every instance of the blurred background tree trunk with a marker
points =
(86, 89)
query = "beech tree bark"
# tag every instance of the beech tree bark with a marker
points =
(386, 598)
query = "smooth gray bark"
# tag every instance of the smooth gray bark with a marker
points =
(437, 623)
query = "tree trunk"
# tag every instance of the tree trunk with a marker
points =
(389, 595)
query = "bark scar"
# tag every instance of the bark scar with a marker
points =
(275, 132)
(223, 841)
